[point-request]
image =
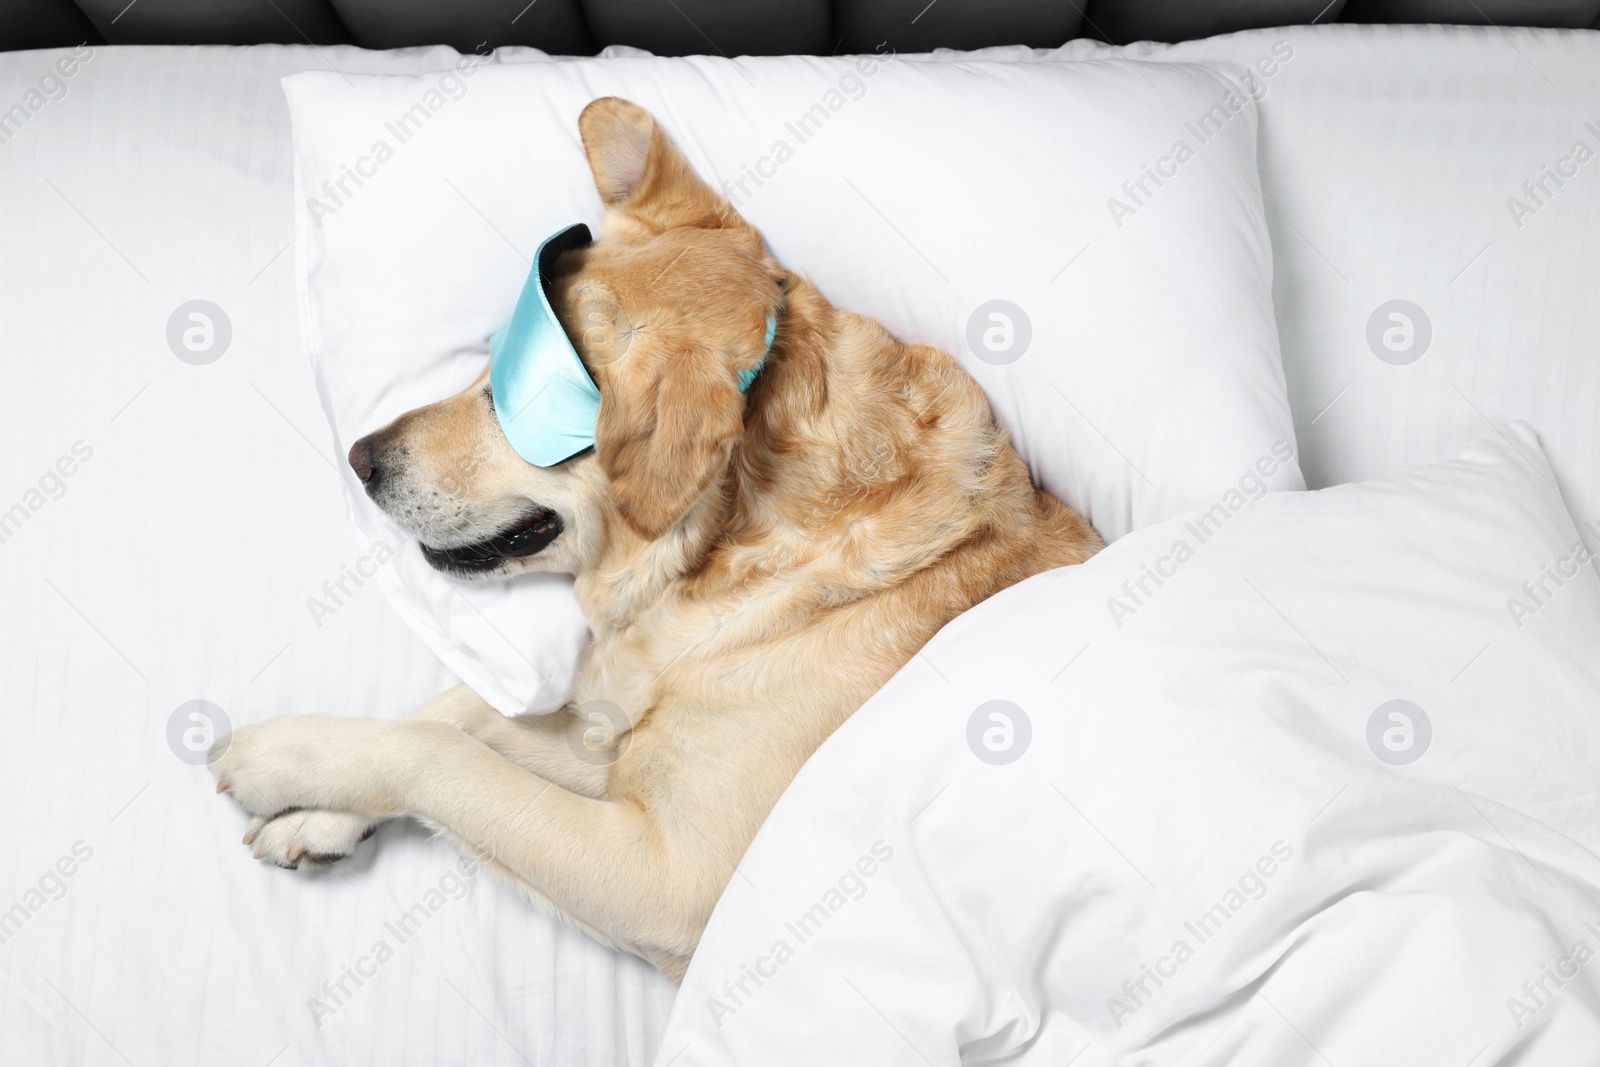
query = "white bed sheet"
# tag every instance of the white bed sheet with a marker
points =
(177, 565)
(1390, 157)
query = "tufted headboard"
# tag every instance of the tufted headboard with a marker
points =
(727, 27)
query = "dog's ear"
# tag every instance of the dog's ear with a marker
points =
(637, 170)
(666, 429)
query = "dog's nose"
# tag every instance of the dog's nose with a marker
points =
(361, 461)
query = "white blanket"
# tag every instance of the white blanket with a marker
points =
(1308, 782)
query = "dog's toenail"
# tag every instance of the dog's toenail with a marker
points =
(295, 852)
(224, 785)
(250, 835)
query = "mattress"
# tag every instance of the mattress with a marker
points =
(171, 529)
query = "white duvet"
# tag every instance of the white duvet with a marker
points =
(1306, 780)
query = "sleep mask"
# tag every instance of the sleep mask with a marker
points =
(545, 399)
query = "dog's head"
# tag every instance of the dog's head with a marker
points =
(665, 309)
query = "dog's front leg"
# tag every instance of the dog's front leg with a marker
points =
(556, 747)
(611, 866)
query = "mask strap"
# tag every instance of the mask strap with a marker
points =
(748, 376)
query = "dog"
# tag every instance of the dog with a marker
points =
(753, 567)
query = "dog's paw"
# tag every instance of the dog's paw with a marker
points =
(308, 838)
(266, 767)
(310, 762)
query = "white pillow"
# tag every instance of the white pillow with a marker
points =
(1205, 833)
(971, 205)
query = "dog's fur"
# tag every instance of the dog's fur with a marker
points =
(753, 567)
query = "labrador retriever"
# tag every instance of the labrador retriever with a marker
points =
(753, 566)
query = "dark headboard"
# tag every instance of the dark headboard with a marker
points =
(728, 27)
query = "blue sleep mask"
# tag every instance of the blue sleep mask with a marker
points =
(545, 399)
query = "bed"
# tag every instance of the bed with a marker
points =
(174, 530)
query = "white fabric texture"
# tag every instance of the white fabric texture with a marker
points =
(1393, 160)
(1393, 164)
(1132, 355)
(180, 562)
(1214, 838)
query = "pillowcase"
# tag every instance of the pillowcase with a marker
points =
(1086, 238)
(1310, 782)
